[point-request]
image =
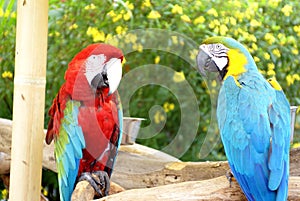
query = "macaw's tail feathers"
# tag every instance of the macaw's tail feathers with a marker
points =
(255, 186)
(282, 191)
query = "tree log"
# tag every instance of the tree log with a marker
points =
(138, 166)
(216, 189)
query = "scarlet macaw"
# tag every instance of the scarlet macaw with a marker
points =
(86, 119)
(253, 119)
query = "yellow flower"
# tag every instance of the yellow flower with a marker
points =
(271, 66)
(296, 29)
(232, 21)
(213, 12)
(287, 10)
(255, 23)
(138, 47)
(129, 5)
(296, 77)
(276, 52)
(127, 16)
(254, 6)
(223, 29)
(262, 71)
(174, 40)
(124, 60)
(168, 106)
(296, 144)
(96, 34)
(214, 83)
(56, 33)
(291, 40)
(157, 59)
(7, 74)
(90, 7)
(178, 76)
(252, 38)
(256, 59)
(146, 4)
(177, 9)
(45, 191)
(171, 106)
(193, 54)
(271, 73)
(185, 18)
(4, 193)
(13, 14)
(131, 37)
(295, 51)
(111, 13)
(158, 117)
(117, 18)
(282, 38)
(214, 23)
(274, 3)
(73, 26)
(216, 30)
(120, 30)
(154, 15)
(269, 38)
(289, 80)
(254, 46)
(267, 56)
(199, 20)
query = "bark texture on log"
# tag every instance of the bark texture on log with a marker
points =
(216, 189)
(135, 169)
(140, 168)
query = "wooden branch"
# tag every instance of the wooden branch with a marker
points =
(135, 169)
(212, 189)
(4, 163)
(138, 167)
(295, 162)
(84, 191)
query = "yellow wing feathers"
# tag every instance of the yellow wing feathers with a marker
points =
(273, 82)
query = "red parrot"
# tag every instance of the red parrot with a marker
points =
(86, 119)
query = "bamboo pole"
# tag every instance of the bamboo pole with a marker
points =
(29, 100)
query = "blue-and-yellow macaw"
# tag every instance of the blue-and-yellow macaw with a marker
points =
(86, 119)
(253, 118)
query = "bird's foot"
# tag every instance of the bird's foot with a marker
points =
(99, 180)
(229, 176)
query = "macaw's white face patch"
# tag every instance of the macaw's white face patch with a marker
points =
(218, 53)
(94, 65)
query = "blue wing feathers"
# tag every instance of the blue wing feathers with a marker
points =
(68, 150)
(254, 126)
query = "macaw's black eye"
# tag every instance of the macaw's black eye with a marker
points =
(218, 46)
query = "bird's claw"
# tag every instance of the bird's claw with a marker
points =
(99, 180)
(229, 176)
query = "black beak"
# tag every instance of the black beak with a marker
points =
(205, 63)
(100, 81)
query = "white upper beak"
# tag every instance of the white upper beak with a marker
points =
(114, 74)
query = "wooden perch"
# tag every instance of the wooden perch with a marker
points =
(215, 189)
(139, 167)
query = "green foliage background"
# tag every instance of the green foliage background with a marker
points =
(73, 24)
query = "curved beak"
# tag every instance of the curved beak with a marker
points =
(205, 63)
(114, 74)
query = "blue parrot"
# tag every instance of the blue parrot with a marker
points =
(253, 117)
